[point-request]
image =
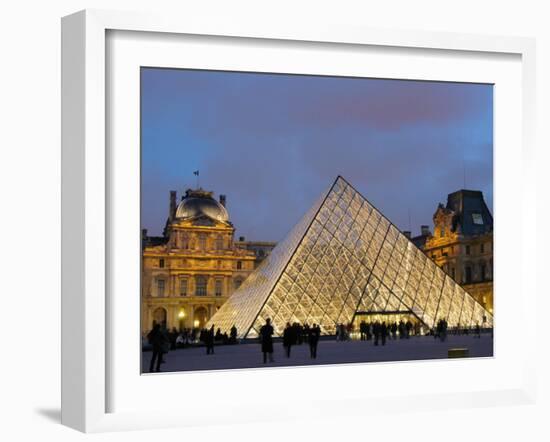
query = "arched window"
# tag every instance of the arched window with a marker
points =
(200, 286)
(219, 242)
(159, 316)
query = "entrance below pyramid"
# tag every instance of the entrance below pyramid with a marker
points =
(418, 327)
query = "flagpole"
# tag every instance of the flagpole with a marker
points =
(196, 173)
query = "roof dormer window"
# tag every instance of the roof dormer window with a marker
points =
(477, 218)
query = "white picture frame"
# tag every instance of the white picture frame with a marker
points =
(86, 206)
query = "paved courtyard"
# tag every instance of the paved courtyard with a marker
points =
(329, 352)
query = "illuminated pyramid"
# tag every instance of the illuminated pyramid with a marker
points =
(344, 259)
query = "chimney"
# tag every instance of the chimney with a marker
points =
(143, 237)
(172, 212)
(425, 230)
(407, 233)
(241, 238)
(222, 200)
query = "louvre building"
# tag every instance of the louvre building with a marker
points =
(344, 262)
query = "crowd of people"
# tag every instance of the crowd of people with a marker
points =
(162, 340)
(379, 331)
(296, 334)
(293, 334)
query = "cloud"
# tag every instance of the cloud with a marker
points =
(273, 143)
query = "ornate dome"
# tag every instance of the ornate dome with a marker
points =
(198, 203)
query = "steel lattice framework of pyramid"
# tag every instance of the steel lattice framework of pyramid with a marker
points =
(345, 257)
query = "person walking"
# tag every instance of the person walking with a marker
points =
(408, 328)
(166, 344)
(376, 332)
(313, 339)
(362, 330)
(233, 335)
(368, 329)
(383, 332)
(209, 340)
(159, 340)
(288, 338)
(266, 339)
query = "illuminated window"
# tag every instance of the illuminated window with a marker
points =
(218, 287)
(160, 288)
(183, 287)
(477, 219)
(200, 286)
(185, 241)
(202, 241)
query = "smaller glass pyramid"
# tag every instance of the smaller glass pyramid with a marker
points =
(342, 259)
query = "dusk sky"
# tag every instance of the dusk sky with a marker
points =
(273, 143)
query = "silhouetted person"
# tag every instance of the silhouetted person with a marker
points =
(299, 333)
(313, 338)
(288, 338)
(166, 344)
(394, 330)
(158, 339)
(266, 339)
(401, 328)
(233, 335)
(173, 336)
(376, 328)
(408, 328)
(383, 332)
(478, 330)
(209, 340)
(369, 331)
(306, 332)
(363, 330)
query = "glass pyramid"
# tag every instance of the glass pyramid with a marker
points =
(345, 257)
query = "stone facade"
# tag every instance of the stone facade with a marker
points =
(188, 273)
(261, 249)
(462, 243)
